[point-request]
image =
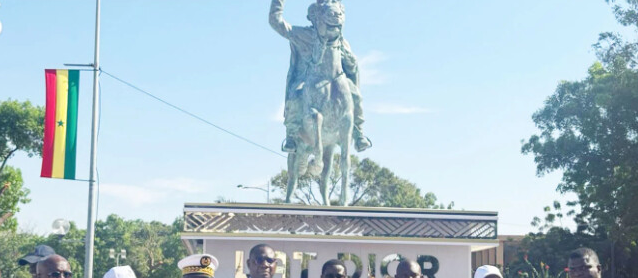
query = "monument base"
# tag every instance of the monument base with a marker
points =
(370, 241)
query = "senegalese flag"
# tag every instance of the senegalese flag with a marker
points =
(60, 123)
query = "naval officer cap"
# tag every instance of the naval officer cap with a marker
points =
(198, 266)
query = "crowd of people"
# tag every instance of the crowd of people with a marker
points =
(261, 263)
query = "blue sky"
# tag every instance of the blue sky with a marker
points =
(449, 89)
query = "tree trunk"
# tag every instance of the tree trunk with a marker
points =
(4, 187)
(4, 162)
(5, 217)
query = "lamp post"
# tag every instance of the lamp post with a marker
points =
(258, 188)
(0, 26)
(113, 255)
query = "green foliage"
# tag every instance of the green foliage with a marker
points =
(153, 249)
(14, 245)
(71, 246)
(370, 185)
(626, 14)
(589, 129)
(553, 213)
(21, 129)
(543, 271)
(554, 247)
(13, 194)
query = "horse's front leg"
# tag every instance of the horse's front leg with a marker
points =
(328, 154)
(293, 175)
(346, 140)
(316, 120)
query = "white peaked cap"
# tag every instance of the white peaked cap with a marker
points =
(196, 260)
(199, 263)
(486, 270)
(120, 272)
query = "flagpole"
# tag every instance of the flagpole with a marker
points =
(90, 223)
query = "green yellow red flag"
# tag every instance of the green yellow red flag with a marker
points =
(60, 123)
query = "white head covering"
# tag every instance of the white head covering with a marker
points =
(486, 270)
(120, 272)
(199, 263)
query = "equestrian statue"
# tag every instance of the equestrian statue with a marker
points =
(323, 103)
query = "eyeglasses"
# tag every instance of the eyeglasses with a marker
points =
(58, 274)
(261, 260)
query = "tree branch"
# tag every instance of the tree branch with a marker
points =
(4, 161)
(300, 199)
(5, 217)
(356, 192)
(312, 193)
(332, 189)
(4, 187)
(354, 202)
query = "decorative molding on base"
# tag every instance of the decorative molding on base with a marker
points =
(338, 223)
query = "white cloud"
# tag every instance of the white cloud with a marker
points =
(154, 191)
(182, 185)
(370, 74)
(388, 108)
(279, 115)
(134, 195)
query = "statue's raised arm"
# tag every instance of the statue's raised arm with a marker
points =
(276, 18)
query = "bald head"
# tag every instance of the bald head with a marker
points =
(408, 269)
(584, 263)
(51, 264)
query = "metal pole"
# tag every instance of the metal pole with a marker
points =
(613, 261)
(268, 196)
(90, 223)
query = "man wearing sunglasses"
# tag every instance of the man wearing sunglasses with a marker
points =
(261, 261)
(53, 266)
(408, 269)
(32, 259)
(334, 269)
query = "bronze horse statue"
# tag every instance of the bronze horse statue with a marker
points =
(323, 102)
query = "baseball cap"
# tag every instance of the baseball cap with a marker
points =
(486, 270)
(41, 251)
(120, 272)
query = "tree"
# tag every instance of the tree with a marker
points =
(21, 129)
(70, 246)
(611, 47)
(589, 130)
(370, 185)
(153, 248)
(14, 245)
(12, 193)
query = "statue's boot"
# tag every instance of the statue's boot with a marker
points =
(362, 143)
(289, 145)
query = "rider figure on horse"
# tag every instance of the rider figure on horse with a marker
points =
(321, 62)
